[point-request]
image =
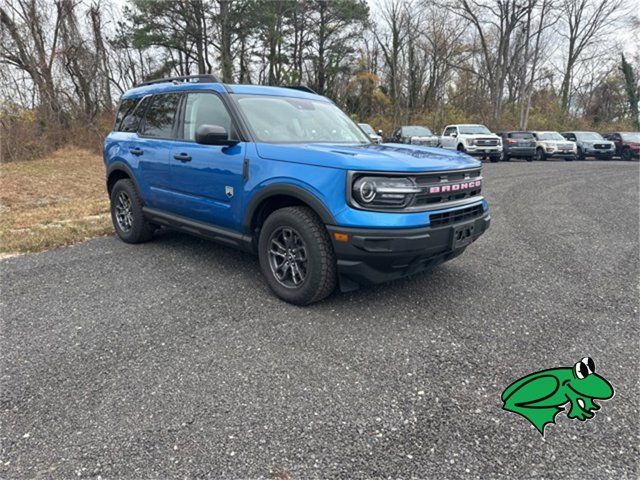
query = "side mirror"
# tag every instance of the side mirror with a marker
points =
(454, 135)
(213, 135)
(380, 132)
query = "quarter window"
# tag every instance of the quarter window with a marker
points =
(204, 109)
(129, 114)
(158, 121)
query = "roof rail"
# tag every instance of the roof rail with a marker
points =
(302, 88)
(185, 79)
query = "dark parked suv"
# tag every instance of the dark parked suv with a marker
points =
(518, 145)
(285, 174)
(627, 144)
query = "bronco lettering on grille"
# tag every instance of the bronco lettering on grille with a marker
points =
(455, 187)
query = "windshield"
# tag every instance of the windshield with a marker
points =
(473, 129)
(589, 136)
(550, 136)
(631, 136)
(295, 120)
(415, 131)
(366, 128)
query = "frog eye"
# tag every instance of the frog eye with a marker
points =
(581, 370)
(589, 363)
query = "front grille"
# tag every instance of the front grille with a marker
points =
(486, 142)
(456, 216)
(446, 187)
(565, 146)
(602, 146)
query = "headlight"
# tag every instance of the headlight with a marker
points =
(384, 192)
(470, 141)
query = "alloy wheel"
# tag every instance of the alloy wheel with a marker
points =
(124, 214)
(288, 257)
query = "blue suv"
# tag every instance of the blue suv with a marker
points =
(285, 174)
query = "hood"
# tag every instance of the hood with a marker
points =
(385, 157)
(423, 138)
(491, 136)
(555, 143)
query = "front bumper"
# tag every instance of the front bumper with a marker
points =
(560, 154)
(477, 151)
(599, 153)
(379, 255)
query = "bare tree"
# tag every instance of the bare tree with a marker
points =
(587, 22)
(30, 38)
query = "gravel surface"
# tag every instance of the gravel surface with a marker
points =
(173, 359)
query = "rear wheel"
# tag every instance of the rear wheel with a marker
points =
(626, 154)
(580, 154)
(505, 157)
(296, 256)
(126, 213)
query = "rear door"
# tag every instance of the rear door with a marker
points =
(206, 180)
(156, 135)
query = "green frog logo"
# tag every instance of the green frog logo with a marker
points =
(540, 396)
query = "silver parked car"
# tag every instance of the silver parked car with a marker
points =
(591, 144)
(415, 135)
(376, 137)
(554, 145)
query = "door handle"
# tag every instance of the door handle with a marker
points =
(183, 157)
(135, 151)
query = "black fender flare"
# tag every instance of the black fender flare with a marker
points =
(123, 167)
(292, 191)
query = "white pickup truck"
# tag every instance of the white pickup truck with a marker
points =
(474, 140)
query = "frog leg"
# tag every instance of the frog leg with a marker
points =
(580, 407)
(531, 401)
(590, 405)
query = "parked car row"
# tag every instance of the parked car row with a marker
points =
(479, 141)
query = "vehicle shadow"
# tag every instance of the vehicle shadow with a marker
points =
(433, 286)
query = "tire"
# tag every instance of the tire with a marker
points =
(626, 154)
(570, 159)
(580, 154)
(505, 158)
(530, 159)
(126, 213)
(494, 158)
(461, 148)
(316, 274)
(540, 154)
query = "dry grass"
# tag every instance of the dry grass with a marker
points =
(54, 201)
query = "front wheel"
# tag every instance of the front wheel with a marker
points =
(626, 154)
(540, 154)
(296, 256)
(580, 154)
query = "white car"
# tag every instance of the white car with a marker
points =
(554, 145)
(476, 140)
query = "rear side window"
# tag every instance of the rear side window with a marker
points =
(129, 114)
(525, 135)
(160, 115)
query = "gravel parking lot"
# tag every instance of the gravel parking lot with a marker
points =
(172, 358)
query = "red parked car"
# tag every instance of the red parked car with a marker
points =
(627, 144)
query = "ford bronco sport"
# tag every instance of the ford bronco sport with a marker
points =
(285, 174)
